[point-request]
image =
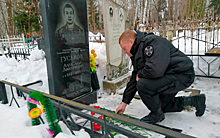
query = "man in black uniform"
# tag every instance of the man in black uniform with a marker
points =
(70, 33)
(160, 71)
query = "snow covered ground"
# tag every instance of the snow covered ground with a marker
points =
(15, 123)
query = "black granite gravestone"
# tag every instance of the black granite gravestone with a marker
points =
(66, 47)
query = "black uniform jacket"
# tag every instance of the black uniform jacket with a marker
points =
(154, 56)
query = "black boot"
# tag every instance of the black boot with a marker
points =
(197, 101)
(154, 117)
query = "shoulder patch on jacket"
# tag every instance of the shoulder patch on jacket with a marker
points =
(149, 50)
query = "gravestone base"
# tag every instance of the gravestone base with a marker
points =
(88, 98)
(118, 83)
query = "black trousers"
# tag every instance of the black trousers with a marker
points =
(160, 92)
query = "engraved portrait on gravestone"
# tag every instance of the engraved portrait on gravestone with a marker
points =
(65, 26)
(70, 32)
(121, 14)
(111, 11)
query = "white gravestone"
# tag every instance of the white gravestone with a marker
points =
(114, 24)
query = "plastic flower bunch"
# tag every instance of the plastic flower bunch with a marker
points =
(119, 123)
(47, 107)
(95, 125)
(93, 61)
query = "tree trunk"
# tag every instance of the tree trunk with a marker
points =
(145, 11)
(171, 7)
(141, 11)
(4, 20)
(93, 19)
(10, 22)
(136, 12)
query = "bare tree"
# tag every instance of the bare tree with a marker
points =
(170, 9)
(10, 21)
(136, 5)
(4, 26)
(146, 11)
(159, 5)
(92, 10)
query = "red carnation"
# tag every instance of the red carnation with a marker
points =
(100, 117)
(92, 113)
(96, 126)
(97, 107)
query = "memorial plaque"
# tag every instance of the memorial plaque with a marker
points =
(114, 24)
(66, 47)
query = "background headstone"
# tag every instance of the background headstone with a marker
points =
(66, 47)
(114, 25)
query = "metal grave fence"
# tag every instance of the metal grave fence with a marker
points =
(66, 107)
(198, 39)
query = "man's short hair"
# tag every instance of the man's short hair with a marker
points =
(67, 6)
(126, 35)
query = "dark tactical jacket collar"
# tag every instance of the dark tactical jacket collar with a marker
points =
(140, 36)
